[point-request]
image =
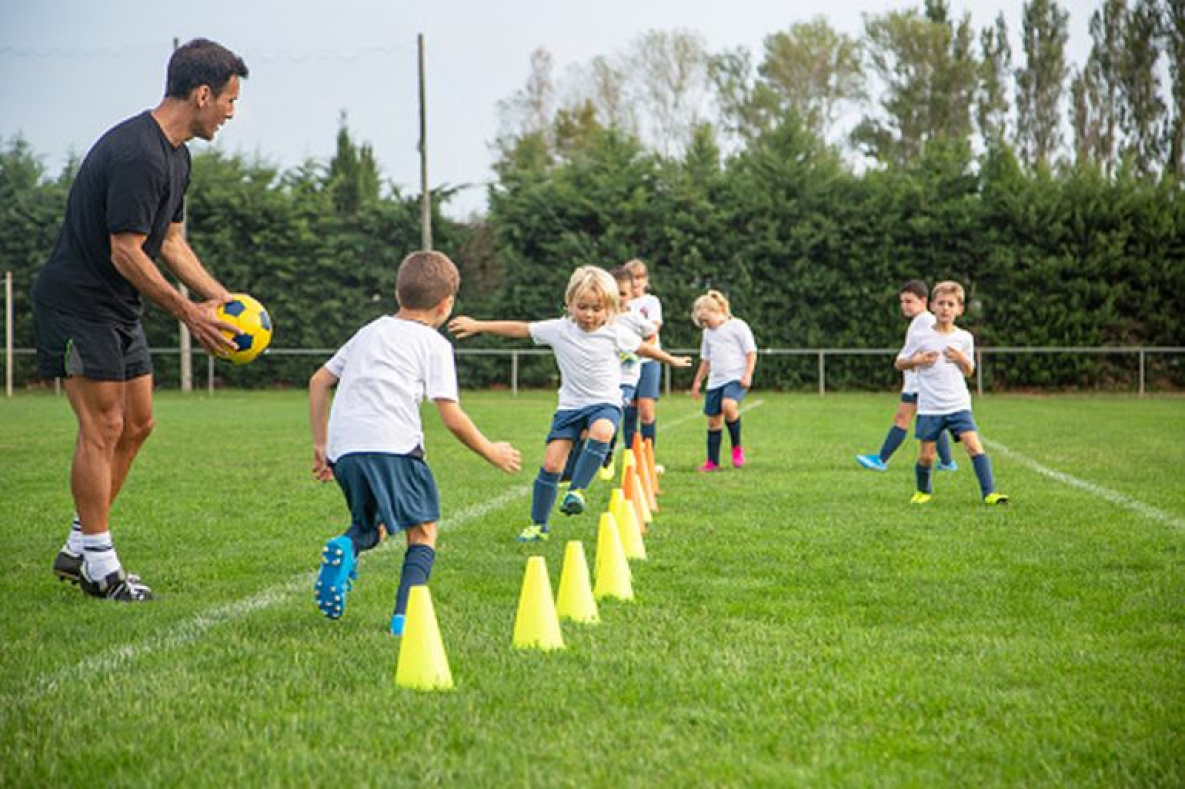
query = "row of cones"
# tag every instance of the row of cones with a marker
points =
(423, 664)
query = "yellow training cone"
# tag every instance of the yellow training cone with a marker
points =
(536, 625)
(613, 571)
(627, 526)
(422, 663)
(575, 602)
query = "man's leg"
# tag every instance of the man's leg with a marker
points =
(137, 426)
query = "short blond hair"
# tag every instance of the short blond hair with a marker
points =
(712, 301)
(948, 286)
(425, 279)
(593, 279)
(636, 267)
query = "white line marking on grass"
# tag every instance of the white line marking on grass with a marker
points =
(1127, 502)
(197, 626)
(194, 628)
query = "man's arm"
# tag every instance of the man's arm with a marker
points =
(129, 259)
(183, 261)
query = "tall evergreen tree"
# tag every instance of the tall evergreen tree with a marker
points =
(1101, 82)
(1175, 45)
(1040, 81)
(995, 67)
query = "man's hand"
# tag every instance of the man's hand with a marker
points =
(207, 328)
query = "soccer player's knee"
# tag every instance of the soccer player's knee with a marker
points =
(731, 409)
(423, 534)
(138, 430)
(601, 430)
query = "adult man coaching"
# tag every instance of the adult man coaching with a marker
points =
(125, 210)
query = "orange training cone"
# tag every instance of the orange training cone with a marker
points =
(422, 664)
(536, 625)
(633, 494)
(613, 571)
(652, 467)
(638, 495)
(627, 526)
(575, 601)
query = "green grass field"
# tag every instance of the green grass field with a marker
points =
(796, 623)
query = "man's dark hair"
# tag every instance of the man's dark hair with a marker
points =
(202, 62)
(917, 288)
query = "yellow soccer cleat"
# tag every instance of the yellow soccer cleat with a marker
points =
(995, 498)
(921, 498)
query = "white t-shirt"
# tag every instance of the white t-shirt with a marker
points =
(385, 371)
(589, 362)
(631, 368)
(650, 308)
(923, 320)
(724, 349)
(942, 389)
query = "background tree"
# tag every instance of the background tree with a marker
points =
(812, 70)
(995, 68)
(1175, 46)
(1040, 81)
(1141, 110)
(531, 109)
(1100, 85)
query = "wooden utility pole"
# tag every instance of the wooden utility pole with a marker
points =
(8, 343)
(425, 195)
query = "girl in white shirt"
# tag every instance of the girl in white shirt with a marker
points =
(728, 355)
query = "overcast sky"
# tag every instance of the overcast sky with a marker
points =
(70, 69)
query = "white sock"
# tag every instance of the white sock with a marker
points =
(101, 559)
(74, 541)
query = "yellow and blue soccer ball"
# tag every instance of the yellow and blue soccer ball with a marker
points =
(254, 324)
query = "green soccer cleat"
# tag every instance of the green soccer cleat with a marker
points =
(533, 533)
(921, 498)
(573, 503)
(995, 498)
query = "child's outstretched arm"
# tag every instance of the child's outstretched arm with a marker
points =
(659, 355)
(500, 454)
(320, 386)
(750, 365)
(463, 326)
(700, 376)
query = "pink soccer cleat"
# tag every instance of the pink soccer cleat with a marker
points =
(708, 466)
(738, 457)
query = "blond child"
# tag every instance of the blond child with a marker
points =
(728, 356)
(587, 344)
(943, 356)
(372, 441)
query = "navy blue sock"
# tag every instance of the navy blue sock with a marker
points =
(570, 465)
(629, 425)
(590, 460)
(417, 568)
(944, 447)
(925, 476)
(714, 439)
(609, 454)
(650, 431)
(544, 495)
(892, 441)
(983, 472)
(734, 432)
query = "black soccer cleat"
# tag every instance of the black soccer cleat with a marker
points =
(119, 586)
(68, 566)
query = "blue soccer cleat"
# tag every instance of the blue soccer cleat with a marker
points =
(397, 623)
(573, 503)
(951, 466)
(336, 576)
(872, 462)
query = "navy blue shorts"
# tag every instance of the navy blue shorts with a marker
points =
(570, 424)
(396, 490)
(100, 350)
(909, 397)
(649, 380)
(929, 427)
(714, 398)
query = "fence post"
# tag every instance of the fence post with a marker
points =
(979, 372)
(514, 373)
(209, 374)
(1141, 372)
(822, 374)
(666, 371)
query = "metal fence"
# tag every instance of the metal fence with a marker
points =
(983, 357)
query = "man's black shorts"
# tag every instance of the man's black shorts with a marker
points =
(101, 350)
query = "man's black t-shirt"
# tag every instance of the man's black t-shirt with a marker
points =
(132, 181)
